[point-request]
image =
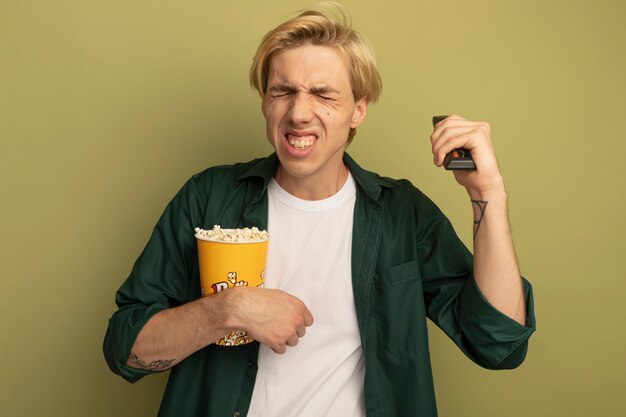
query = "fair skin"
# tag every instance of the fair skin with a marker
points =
(496, 270)
(309, 109)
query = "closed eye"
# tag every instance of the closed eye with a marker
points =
(277, 95)
(278, 91)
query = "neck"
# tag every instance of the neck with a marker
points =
(312, 187)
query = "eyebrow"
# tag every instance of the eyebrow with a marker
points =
(322, 89)
(281, 87)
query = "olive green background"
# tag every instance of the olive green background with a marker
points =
(106, 108)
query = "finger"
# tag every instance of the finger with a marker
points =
(292, 341)
(448, 147)
(443, 128)
(308, 317)
(301, 331)
(450, 132)
(457, 127)
(461, 137)
(279, 348)
(455, 121)
(448, 118)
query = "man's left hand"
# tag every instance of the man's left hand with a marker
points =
(457, 132)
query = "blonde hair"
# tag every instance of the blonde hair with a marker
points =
(329, 24)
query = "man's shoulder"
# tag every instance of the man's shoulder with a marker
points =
(400, 198)
(400, 190)
(263, 168)
(389, 186)
(376, 185)
(395, 195)
(227, 179)
(234, 170)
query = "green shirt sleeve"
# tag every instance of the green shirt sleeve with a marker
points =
(454, 302)
(488, 336)
(163, 277)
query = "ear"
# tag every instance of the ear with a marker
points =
(360, 111)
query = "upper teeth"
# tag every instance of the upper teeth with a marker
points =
(299, 143)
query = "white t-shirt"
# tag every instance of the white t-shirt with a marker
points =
(309, 256)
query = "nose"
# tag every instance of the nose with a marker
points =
(300, 109)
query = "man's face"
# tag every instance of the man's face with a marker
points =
(309, 110)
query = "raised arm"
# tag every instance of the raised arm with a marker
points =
(496, 270)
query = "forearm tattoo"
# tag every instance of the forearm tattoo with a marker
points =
(158, 365)
(482, 206)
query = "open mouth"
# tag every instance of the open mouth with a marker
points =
(300, 142)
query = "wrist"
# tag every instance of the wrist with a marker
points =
(491, 196)
(216, 312)
(225, 308)
(495, 191)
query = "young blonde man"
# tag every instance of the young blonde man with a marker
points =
(356, 261)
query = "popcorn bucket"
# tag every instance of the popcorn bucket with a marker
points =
(225, 265)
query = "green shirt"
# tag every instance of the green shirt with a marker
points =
(407, 264)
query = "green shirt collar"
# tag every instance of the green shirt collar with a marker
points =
(371, 183)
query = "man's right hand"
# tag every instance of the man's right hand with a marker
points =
(270, 316)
